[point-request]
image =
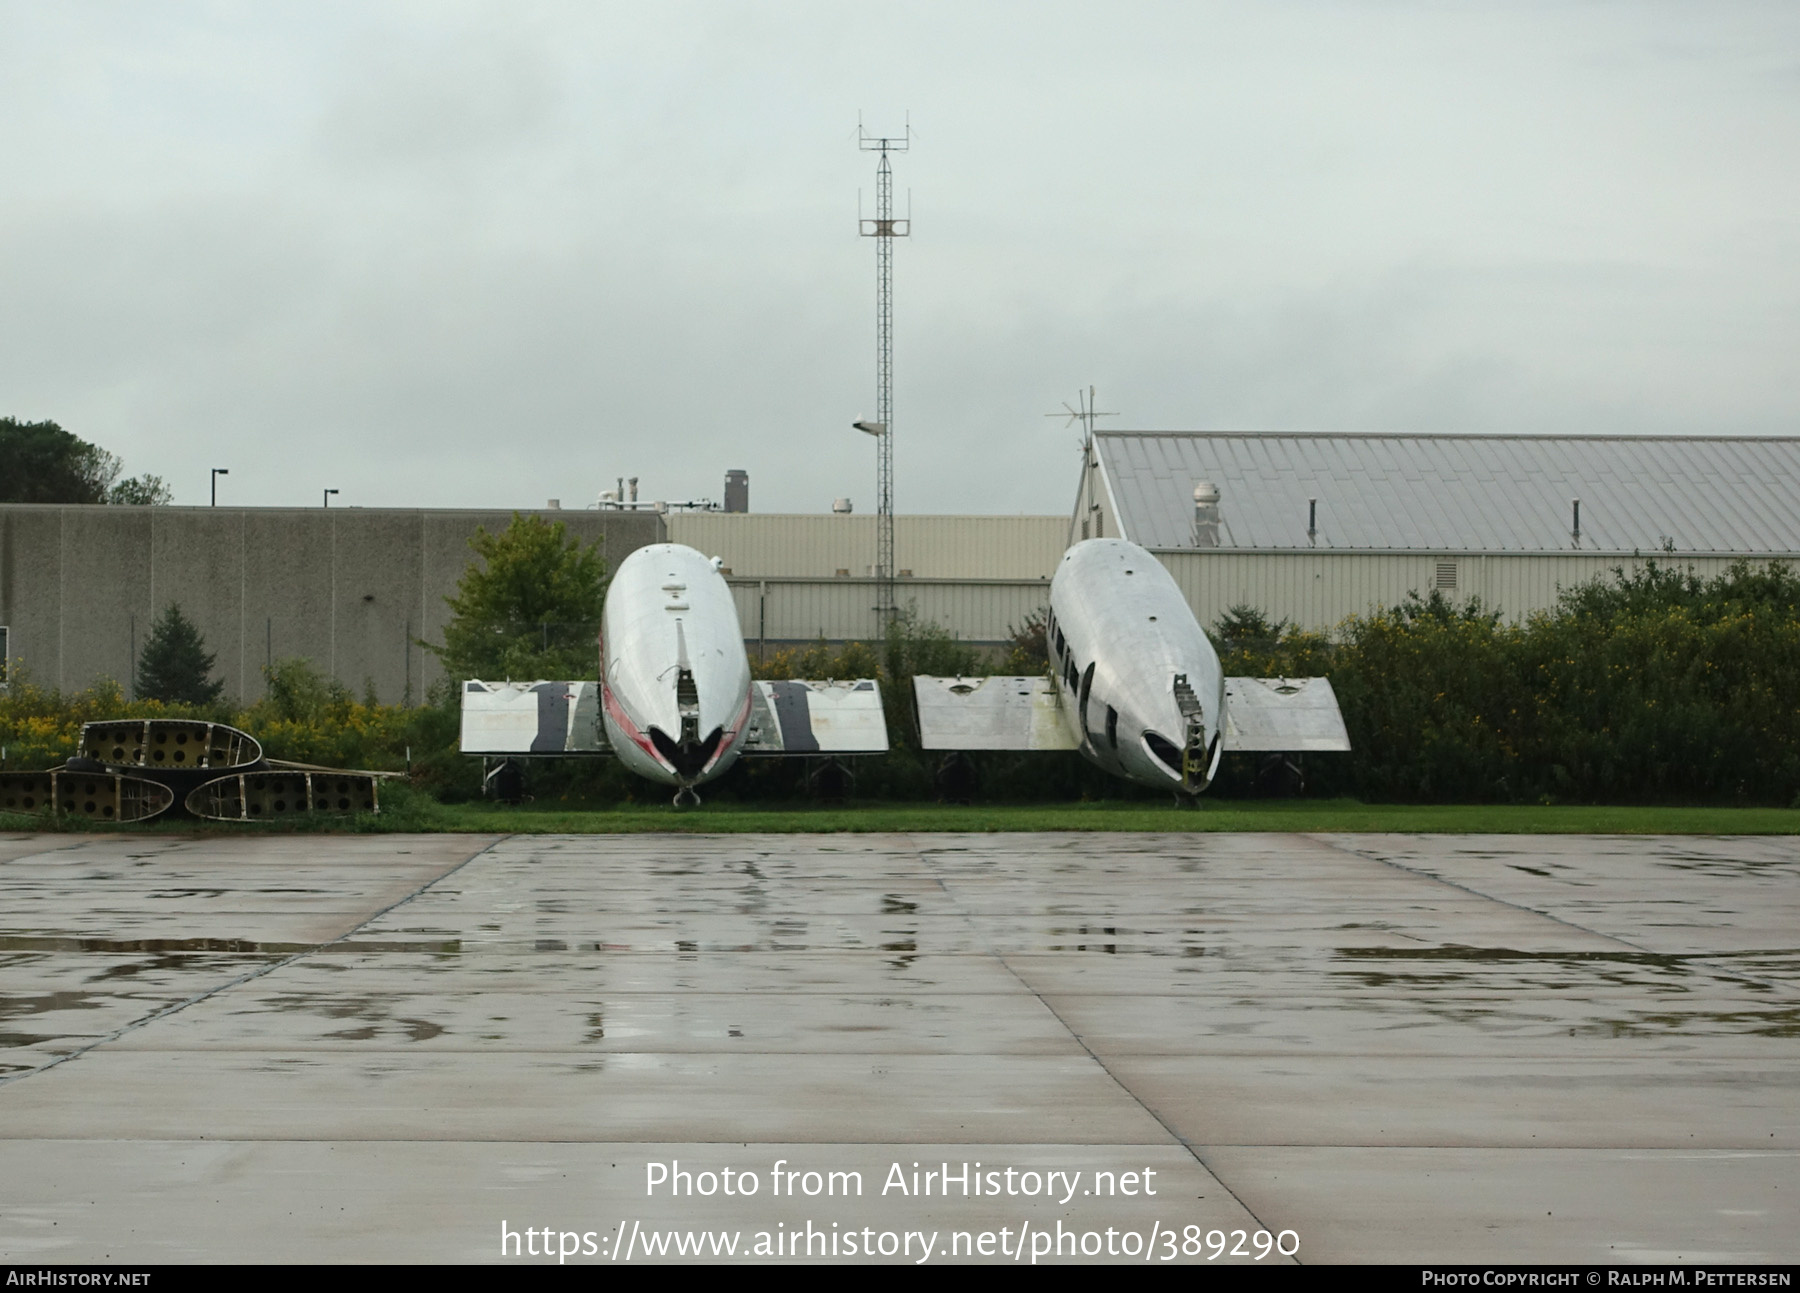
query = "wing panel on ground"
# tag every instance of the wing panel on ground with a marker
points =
(795, 716)
(544, 718)
(999, 713)
(1283, 715)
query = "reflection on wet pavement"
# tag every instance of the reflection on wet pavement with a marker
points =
(1354, 998)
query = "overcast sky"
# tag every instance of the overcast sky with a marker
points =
(482, 255)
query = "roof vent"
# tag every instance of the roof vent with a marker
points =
(841, 506)
(1206, 514)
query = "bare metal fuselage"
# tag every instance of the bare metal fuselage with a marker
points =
(1141, 684)
(674, 677)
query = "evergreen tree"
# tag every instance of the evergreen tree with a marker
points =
(174, 665)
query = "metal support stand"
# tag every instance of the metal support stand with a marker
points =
(957, 779)
(830, 779)
(503, 779)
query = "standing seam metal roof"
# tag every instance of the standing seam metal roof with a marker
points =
(1717, 494)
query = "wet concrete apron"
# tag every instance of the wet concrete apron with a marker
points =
(1401, 1048)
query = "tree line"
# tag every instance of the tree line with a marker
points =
(1648, 685)
(42, 463)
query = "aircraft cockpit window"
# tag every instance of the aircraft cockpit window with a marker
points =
(1112, 727)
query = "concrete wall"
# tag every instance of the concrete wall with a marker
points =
(348, 588)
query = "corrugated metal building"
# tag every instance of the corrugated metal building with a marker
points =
(799, 578)
(832, 546)
(1316, 527)
(1310, 528)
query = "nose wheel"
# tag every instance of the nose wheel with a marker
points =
(686, 798)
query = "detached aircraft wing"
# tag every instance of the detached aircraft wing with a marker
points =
(1283, 715)
(541, 718)
(793, 717)
(1279, 715)
(998, 713)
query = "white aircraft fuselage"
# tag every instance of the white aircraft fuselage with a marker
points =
(1141, 684)
(674, 676)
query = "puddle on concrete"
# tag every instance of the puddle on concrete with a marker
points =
(1754, 1023)
(374, 1011)
(1462, 952)
(72, 943)
(43, 1003)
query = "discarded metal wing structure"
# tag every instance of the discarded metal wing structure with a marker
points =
(136, 770)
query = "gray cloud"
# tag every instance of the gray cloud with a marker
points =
(472, 256)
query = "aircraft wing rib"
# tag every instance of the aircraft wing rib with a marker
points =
(1283, 715)
(999, 713)
(797, 716)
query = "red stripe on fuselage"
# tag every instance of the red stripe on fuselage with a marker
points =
(731, 733)
(613, 707)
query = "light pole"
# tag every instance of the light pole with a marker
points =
(328, 494)
(216, 473)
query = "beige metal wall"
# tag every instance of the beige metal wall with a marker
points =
(931, 547)
(787, 611)
(1317, 590)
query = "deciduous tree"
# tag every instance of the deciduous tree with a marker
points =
(42, 463)
(530, 608)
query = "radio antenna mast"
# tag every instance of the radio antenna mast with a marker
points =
(884, 228)
(1087, 504)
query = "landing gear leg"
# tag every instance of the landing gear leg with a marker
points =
(686, 798)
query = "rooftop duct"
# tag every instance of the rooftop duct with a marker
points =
(1206, 514)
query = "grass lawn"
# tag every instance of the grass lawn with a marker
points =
(407, 810)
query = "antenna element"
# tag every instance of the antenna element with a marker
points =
(884, 228)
